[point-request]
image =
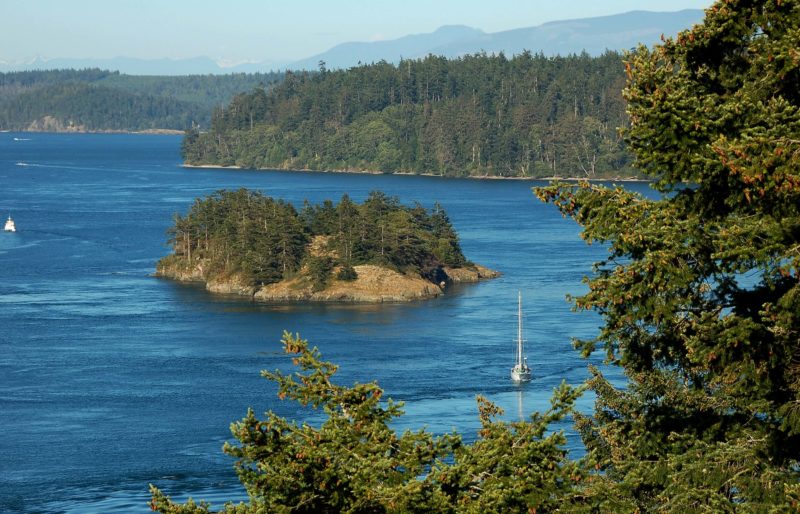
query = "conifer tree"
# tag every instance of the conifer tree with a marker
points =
(700, 292)
(355, 462)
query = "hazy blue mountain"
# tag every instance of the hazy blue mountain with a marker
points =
(133, 66)
(412, 46)
(594, 35)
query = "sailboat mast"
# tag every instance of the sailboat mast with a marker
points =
(519, 329)
(520, 372)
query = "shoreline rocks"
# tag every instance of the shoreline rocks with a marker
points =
(374, 284)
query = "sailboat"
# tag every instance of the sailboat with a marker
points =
(10, 227)
(520, 372)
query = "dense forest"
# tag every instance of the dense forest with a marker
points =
(528, 116)
(95, 99)
(266, 240)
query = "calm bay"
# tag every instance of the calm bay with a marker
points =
(111, 379)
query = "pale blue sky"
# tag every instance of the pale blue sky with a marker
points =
(244, 30)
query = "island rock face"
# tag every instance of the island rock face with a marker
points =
(374, 284)
(245, 244)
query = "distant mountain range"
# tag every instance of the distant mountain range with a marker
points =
(592, 35)
(134, 66)
(350, 54)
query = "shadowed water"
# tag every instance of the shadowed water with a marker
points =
(111, 379)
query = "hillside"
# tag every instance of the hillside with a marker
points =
(98, 100)
(153, 94)
(594, 36)
(241, 242)
(480, 115)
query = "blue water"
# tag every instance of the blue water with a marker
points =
(111, 379)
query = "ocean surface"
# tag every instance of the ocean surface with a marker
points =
(111, 379)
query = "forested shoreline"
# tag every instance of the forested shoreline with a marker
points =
(527, 116)
(94, 100)
(479, 115)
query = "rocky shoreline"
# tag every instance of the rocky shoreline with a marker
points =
(374, 284)
(376, 172)
(53, 125)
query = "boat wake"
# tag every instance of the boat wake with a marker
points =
(22, 139)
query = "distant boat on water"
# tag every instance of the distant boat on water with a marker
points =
(10, 226)
(520, 372)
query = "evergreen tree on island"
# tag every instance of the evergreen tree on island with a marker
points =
(242, 241)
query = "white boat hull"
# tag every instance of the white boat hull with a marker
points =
(521, 374)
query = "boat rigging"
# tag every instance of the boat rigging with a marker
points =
(520, 372)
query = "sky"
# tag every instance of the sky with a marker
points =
(236, 31)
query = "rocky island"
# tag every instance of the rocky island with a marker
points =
(244, 243)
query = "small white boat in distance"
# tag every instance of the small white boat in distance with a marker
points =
(10, 227)
(520, 372)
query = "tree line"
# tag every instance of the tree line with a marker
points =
(91, 107)
(525, 116)
(102, 100)
(265, 240)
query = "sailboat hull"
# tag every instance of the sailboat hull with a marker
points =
(521, 374)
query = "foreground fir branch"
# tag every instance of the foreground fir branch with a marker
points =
(354, 462)
(700, 293)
